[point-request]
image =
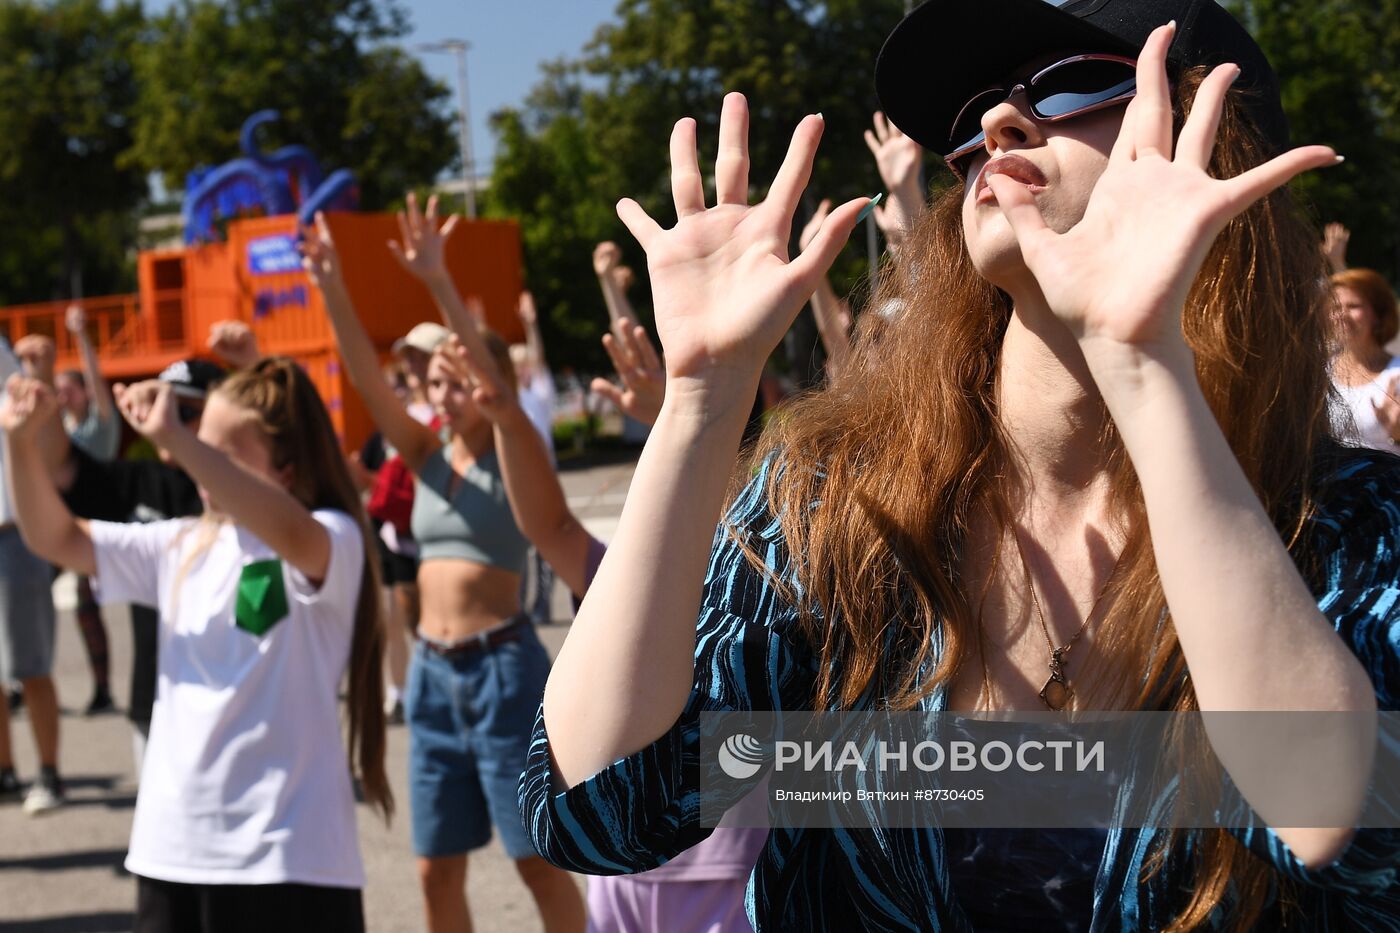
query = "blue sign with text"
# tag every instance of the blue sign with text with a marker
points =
(271, 255)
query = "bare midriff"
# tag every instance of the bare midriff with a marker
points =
(461, 597)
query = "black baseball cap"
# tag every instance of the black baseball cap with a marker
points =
(193, 378)
(946, 51)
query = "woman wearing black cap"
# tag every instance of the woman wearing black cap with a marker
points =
(1086, 467)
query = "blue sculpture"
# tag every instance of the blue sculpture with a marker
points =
(262, 183)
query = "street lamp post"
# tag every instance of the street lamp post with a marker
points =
(458, 48)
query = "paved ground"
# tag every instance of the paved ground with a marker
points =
(62, 873)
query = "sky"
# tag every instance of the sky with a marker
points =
(509, 39)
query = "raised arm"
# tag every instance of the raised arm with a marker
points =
(1335, 238)
(640, 370)
(267, 510)
(613, 278)
(48, 528)
(414, 442)
(422, 255)
(536, 498)
(35, 353)
(833, 316)
(1251, 632)
(235, 343)
(900, 161)
(725, 293)
(534, 342)
(98, 390)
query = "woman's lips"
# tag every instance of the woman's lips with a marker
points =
(1017, 168)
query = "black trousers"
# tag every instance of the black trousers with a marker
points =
(168, 907)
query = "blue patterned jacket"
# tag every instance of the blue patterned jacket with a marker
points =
(644, 809)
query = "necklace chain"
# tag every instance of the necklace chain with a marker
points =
(1056, 693)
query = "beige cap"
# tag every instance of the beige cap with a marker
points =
(425, 337)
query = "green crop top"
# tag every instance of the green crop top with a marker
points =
(476, 524)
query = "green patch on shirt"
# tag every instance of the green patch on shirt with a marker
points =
(262, 597)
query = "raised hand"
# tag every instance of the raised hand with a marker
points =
(75, 319)
(1335, 238)
(723, 287)
(234, 341)
(637, 365)
(423, 240)
(490, 393)
(1388, 408)
(606, 256)
(318, 255)
(529, 316)
(36, 353)
(900, 161)
(1122, 274)
(27, 404)
(814, 225)
(897, 156)
(150, 408)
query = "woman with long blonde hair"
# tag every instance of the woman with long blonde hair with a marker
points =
(246, 813)
(1086, 466)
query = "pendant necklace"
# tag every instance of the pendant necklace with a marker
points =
(1057, 693)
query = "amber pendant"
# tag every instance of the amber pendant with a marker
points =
(1057, 692)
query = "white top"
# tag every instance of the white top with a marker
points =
(537, 398)
(245, 778)
(1354, 422)
(9, 365)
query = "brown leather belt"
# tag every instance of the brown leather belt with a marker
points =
(481, 641)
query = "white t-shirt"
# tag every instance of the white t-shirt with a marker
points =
(1354, 422)
(245, 778)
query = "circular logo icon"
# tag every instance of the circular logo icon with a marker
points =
(741, 756)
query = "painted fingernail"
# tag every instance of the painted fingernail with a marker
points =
(865, 211)
(1340, 160)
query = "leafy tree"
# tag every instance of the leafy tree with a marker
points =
(1338, 63)
(353, 100)
(66, 89)
(596, 130)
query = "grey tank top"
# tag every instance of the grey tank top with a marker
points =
(471, 522)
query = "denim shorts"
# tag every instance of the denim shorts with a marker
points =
(469, 723)
(26, 612)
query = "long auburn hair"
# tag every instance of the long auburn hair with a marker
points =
(882, 476)
(291, 415)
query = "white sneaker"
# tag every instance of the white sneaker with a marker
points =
(42, 799)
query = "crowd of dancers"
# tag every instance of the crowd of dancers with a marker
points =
(1018, 385)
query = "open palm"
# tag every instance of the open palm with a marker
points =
(424, 243)
(724, 289)
(1123, 272)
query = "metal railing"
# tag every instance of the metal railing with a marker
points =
(117, 328)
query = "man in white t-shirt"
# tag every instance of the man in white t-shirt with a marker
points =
(26, 644)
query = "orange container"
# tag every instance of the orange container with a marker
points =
(256, 277)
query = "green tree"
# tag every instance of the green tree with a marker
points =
(66, 92)
(355, 101)
(596, 130)
(1338, 63)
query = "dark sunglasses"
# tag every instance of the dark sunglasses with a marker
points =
(1068, 88)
